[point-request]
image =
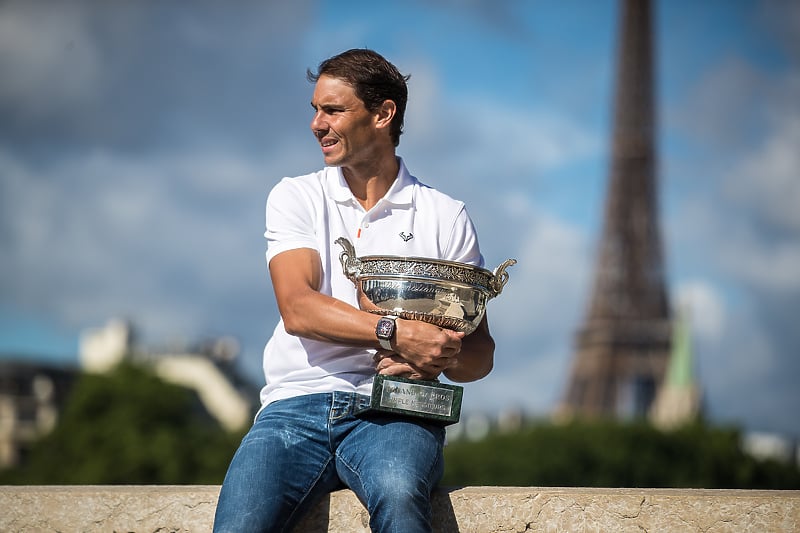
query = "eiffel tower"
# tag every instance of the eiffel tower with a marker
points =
(623, 347)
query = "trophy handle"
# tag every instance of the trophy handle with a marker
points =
(350, 263)
(500, 277)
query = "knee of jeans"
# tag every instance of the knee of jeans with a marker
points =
(399, 485)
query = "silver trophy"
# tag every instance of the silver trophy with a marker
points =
(445, 293)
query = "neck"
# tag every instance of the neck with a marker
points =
(371, 182)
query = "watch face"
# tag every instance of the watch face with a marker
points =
(385, 328)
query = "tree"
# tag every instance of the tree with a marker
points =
(609, 454)
(128, 426)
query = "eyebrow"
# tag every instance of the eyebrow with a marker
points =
(328, 106)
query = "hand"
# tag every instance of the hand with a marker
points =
(391, 364)
(427, 348)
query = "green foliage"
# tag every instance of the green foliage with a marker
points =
(129, 427)
(608, 454)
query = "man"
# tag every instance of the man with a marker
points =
(320, 362)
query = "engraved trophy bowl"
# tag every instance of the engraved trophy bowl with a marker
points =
(448, 294)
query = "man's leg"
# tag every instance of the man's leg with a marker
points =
(282, 466)
(392, 465)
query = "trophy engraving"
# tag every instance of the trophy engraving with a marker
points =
(448, 294)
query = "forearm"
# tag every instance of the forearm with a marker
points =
(476, 358)
(319, 317)
(307, 313)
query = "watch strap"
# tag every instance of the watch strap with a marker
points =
(385, 344)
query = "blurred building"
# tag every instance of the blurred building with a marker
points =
(679, 399)
(32, 395)
(207, 368)
(771, 446)
(101, 349)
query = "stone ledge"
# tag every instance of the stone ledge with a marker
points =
(142, 508)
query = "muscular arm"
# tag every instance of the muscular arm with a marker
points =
(306, 312)
(476, 358)
(296, 278)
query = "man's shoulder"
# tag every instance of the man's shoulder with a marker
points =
(428, 193)
(312, 183)
(313, 178)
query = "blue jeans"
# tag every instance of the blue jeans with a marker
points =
(302, 448)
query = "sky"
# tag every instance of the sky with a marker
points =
(139, 140)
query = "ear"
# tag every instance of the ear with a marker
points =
(385, 114)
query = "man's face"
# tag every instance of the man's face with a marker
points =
(342, 125)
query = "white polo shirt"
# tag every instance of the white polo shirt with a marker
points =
(314, 210)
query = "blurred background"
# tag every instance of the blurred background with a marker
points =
(139, 140)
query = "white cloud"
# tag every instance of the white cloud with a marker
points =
(767, 179)
(471, 136)
(548, 282)
(702, 304)
(425, 98)
(723, 99)
(743, 219)
(162, 240)
(767, 266)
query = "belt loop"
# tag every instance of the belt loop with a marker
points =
(346, 404)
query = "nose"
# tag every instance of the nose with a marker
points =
(318, 124)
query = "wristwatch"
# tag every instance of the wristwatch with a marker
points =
(385, 331)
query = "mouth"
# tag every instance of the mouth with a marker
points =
(327, 144)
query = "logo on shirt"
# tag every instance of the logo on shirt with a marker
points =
(406, 236)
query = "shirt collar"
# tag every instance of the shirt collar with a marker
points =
(400, 193)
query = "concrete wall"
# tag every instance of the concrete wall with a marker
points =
(468, 510)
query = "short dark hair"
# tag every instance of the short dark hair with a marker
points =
(374, 80)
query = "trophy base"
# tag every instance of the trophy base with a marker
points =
(434, 402)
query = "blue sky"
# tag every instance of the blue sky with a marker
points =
(138, 142)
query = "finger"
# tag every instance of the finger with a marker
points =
(389, 361)
(433, 369)
(453, 334)
(399, 369)
(382, 354)
(454, 341)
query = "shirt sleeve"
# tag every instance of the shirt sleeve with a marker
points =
(463, 244)
(290, 219)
